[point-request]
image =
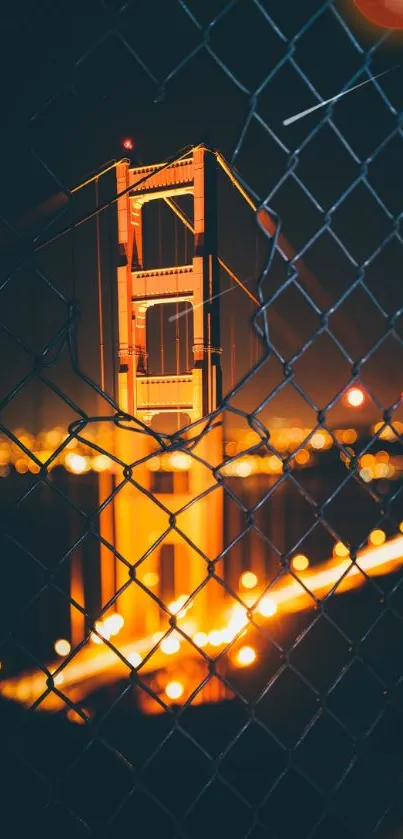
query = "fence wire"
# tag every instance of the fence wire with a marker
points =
(311, 746)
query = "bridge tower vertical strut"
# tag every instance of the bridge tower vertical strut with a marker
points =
(176, 567)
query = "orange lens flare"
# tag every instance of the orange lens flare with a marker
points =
(385, 13)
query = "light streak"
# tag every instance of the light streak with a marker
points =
(208, 300)
(373, 562)
(92, 664)
(334, 98)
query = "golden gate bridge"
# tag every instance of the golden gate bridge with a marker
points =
(174, 528)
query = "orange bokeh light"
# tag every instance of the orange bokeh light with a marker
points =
(385, 13)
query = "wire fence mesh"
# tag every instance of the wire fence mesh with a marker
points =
(298, 728)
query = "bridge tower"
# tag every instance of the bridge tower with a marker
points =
(175, 567)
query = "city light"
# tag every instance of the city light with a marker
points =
(62, 647)
(355, 397)
(113, 624)
(180, 460)
(243, 468)
(174, 690)
(78, 458)
(248, 579)
(319, 440)
(349, 436)
(128, 144)
(170, 645)
(246, 656)
(300, 562)
(76, 463)
(302, 457)
(100, 463)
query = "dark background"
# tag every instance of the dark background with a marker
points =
(75, 81)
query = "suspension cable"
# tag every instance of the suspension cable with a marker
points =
(183, 217)
(161, 307)
(234, 180)
(99, 280)
(38, 246)
(187, 307)
(90, 180)
(177, 348)
(232, 342)
(222, 162)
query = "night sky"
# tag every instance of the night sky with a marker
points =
(78, 79)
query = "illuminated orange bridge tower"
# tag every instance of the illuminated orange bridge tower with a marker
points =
(170, 483)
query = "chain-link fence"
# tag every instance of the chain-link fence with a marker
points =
(284, 718)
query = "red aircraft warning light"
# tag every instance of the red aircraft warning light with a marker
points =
(128, 144)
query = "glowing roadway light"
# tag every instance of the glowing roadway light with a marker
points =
(62, 647)
(249, 579)
(355, 397)
(377, 537)
(101, 666)
(246, 656)
(340, 549)
(292, 597)
(300, 562)
(372, 561)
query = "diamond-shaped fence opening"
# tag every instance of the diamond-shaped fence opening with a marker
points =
(201, 607)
